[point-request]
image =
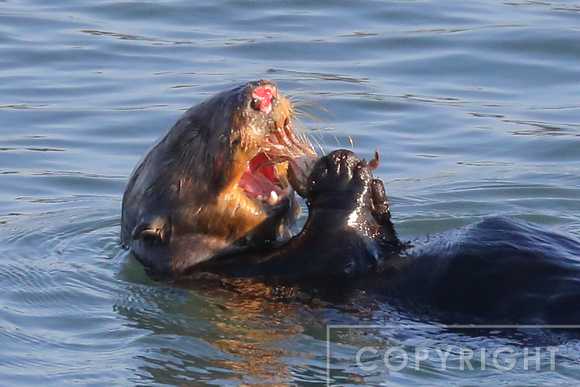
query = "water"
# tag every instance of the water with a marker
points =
(474, 106)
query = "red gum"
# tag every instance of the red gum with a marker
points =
(268, 170)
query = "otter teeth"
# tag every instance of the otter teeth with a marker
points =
(273, 198)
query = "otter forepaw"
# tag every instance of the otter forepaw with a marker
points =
(339, 178)
(379, 203)
(381, 212)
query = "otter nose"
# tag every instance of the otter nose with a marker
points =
(262, 98)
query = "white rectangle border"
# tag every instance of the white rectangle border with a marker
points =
(329, 327)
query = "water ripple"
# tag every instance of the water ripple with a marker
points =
(473, 105)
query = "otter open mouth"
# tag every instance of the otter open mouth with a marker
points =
(262, 181)
(266, 175)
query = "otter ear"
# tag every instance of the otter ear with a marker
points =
(157, 231)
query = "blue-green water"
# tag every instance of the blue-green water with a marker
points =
(474, 105)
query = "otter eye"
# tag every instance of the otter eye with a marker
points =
(255, 104)
(236, 142)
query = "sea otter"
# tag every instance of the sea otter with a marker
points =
(216, 195)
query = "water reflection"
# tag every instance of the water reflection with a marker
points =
(253, 332)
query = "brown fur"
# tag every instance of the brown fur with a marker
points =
(187, 187)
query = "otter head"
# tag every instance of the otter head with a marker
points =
(219, 175)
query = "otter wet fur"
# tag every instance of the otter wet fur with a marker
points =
(216, 196)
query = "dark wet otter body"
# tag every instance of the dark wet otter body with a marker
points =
(496, 271)
(196, 204)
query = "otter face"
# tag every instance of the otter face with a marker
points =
(219, 173)
(262, 142)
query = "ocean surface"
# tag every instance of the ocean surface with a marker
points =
(473, 105)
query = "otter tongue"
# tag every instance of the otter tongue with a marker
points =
(260, 184)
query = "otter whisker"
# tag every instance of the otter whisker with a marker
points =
(304, 145)
(280, 135)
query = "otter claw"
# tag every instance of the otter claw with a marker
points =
(374, 163)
